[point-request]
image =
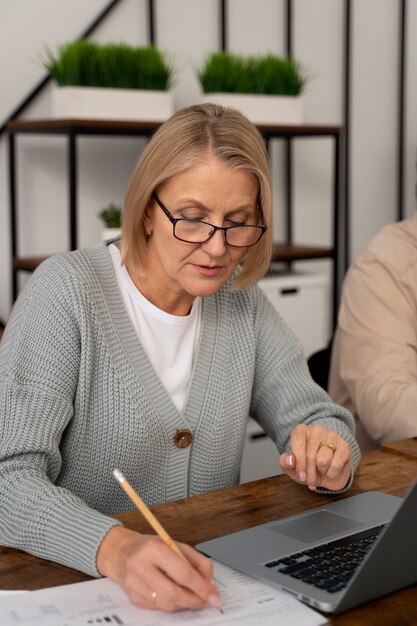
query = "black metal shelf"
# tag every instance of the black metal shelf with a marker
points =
(286, 252)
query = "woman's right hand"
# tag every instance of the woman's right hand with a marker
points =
(153, 575)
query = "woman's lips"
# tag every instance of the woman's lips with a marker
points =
(205, 270)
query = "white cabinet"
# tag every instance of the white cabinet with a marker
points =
(260, 455)
(304, 302)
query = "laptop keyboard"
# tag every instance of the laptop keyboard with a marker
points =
(331, 565)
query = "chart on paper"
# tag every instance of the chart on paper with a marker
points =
(246, 602)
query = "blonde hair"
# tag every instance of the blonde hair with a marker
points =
(177, 145)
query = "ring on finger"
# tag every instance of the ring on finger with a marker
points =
(328, 445)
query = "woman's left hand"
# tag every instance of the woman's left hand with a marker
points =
(318, 458)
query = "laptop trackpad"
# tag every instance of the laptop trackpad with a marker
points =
(315, 526)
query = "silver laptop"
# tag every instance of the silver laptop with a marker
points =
(334, 557)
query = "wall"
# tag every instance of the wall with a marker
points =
(188, 30)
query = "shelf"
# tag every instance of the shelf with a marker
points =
(27, 264)
(71, 129)
(82, 127)
(121, 127)
(284, 252)
(280, 253)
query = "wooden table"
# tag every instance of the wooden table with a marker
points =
(391, 469)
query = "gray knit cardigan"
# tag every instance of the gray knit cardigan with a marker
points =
(78, 398)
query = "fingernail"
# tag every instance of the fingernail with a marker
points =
(312, 488)
(215, 601)
(290, 460)
(302, 476)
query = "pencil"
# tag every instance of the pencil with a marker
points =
(148, 515)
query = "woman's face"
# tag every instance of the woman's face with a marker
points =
(179, 271)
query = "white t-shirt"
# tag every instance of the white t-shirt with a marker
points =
(168, 340)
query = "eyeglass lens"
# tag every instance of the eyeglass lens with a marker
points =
(199, 232)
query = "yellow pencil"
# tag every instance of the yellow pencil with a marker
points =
(148, 515)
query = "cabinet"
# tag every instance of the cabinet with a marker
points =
(302, 300)
(260, 457)
(282, 252)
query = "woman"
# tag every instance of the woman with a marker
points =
(148, 355)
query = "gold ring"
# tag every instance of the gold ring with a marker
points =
(329, 445)
(154, 595)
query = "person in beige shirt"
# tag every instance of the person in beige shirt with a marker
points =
(373, 369)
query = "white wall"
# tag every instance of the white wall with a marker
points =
(187, 30)
(374, 117)
(410, 190)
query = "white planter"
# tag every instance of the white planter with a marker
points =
(111, 104)
(110, 233)
(263, 109)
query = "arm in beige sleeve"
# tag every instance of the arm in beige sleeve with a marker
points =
(377, 345)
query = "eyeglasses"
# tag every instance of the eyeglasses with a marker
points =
(197, 231)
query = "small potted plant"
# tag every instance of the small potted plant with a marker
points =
(266, 88)
(112, 219)
(109, 81)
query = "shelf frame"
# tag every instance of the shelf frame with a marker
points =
(338, 251)
(286, 252)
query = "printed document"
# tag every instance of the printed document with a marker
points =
(246, 602)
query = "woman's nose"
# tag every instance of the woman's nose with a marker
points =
(216, 245)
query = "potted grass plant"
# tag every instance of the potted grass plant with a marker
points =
(109, 81)
(268, 89)
(111, 217)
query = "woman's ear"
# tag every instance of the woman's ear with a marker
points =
(147, 221)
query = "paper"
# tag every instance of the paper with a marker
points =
(6, 592)
(102, 602)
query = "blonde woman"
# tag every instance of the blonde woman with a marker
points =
(148, 354)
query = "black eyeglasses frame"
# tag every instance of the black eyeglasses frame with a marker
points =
(174, 220)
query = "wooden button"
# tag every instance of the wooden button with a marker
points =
(183, 438)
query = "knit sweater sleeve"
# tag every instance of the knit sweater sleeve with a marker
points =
(39, 358)
(284, 393)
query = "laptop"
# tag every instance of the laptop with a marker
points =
(333, 557)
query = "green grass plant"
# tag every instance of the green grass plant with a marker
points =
(115, 65)
(273, 75)
(111, 216)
